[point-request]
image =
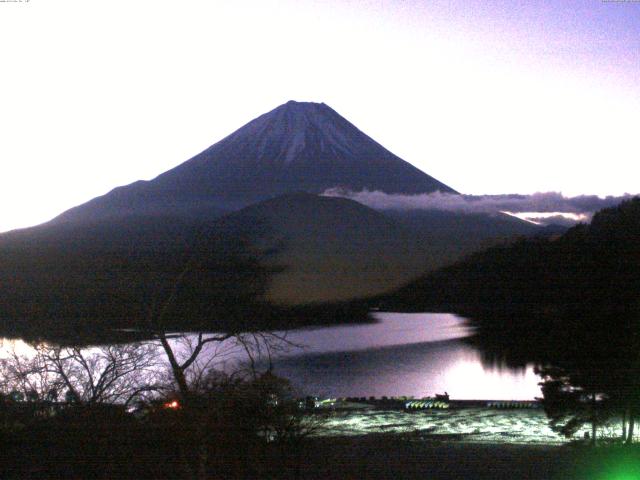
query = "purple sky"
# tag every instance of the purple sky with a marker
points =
(487, 96)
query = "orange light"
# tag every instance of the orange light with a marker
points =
(172, 405)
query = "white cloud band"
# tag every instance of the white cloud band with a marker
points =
(539, 207)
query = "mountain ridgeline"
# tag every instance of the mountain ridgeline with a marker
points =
(298, 146)
(240, 236)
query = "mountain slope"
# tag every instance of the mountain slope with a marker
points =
(587, 267)
(259, 267)
(296, 147)
(285, 261)
(327, 249)
(449, 236)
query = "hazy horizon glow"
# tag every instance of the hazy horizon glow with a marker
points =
(487, 97)
(535, 217)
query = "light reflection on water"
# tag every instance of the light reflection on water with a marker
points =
(399, 354)
(390, 329)
(404, 354)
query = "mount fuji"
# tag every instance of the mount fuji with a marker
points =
(297, 147)
(263, 249)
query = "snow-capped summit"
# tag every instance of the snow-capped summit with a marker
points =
(298, 146)
(290, 131)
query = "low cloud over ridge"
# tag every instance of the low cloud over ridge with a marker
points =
(549, 207)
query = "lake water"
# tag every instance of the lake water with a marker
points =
(400, 354)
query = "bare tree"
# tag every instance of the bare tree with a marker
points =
(193, 358)
(117, 374)
(192, 355)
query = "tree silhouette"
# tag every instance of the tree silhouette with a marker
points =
(569, 305)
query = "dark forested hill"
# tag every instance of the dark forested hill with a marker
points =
(587, 263)
(582, 286)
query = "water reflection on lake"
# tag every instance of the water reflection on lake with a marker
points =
(398, 354)
(401, 354)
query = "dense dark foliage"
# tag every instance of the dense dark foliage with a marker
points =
(552, 288)
(570, 305)
(235, 429)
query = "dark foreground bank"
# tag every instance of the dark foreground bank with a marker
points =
(403, 457)
(120, 451)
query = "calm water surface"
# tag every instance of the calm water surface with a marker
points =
(401, 354)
